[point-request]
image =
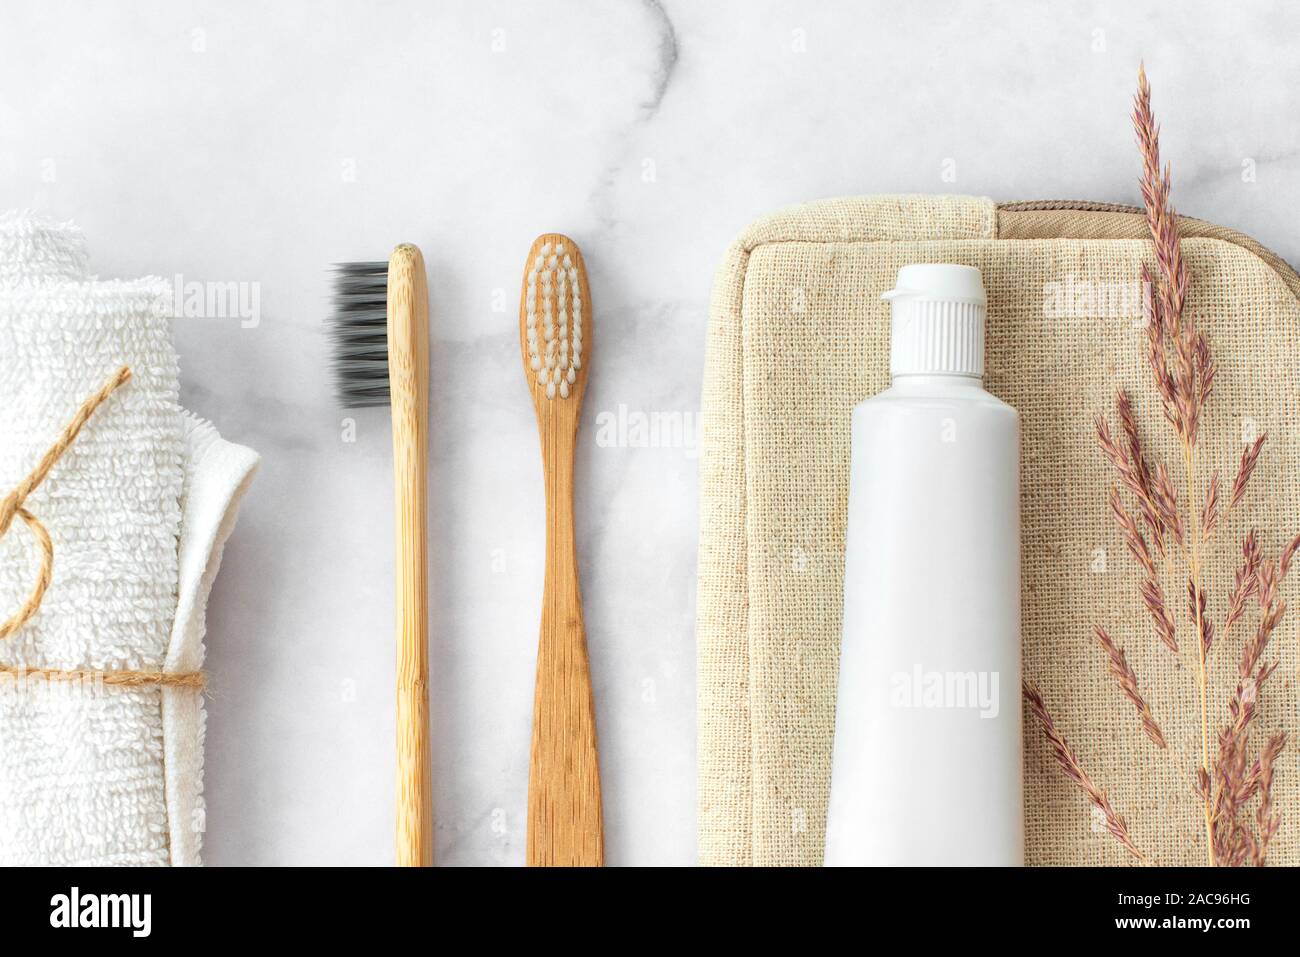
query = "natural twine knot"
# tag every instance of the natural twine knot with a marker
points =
(12, 505)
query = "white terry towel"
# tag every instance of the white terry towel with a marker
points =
(138, 509)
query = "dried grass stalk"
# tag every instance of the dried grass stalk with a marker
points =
(1183, 370)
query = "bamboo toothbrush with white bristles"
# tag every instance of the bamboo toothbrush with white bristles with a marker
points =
(380, 329)
(564, 807)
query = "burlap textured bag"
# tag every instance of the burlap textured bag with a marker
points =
(798, 335)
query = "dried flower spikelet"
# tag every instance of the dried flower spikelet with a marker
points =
(1069, 764)
(1135, 472)
(1246, 581)
(1267, 820)
(1284, 563)
(1206, 367)
(1153, 597)
(1266, 576)
(1210, 510)
(1167, 500)
(1249, 457)
(1127, 681)
(1272, 610)
(1133, 538)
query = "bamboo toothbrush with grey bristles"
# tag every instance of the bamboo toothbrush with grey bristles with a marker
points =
(380, 329)
(564, 806)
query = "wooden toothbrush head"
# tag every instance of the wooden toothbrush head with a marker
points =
(555, 325)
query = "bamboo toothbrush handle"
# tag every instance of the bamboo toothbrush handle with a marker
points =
(564, 806)
(408, 361)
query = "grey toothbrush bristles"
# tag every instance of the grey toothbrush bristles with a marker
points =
(359, 331)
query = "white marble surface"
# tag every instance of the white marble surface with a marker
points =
(258, 143)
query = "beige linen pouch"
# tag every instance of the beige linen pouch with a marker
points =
(798, 335)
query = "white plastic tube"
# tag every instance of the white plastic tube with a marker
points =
(927, 760)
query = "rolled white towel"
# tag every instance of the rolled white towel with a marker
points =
(138, 510)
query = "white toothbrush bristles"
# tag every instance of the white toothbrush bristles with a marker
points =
(553, 311)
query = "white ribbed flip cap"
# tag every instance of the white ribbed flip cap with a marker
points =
(937, 321)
